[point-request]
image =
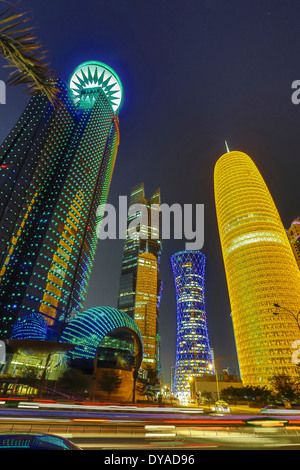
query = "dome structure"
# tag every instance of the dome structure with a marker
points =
(88, 329)
(31, 326)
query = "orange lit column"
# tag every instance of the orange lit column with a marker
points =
(145, 314)
(260, 269)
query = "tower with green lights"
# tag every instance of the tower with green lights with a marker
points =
(55, 170)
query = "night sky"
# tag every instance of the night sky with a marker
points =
(195, 74)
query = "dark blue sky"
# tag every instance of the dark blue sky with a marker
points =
(194, 74)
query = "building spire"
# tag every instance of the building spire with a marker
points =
(226, 145)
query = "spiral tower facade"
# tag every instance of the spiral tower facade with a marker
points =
(193, 354)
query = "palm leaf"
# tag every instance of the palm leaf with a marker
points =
(25, 56)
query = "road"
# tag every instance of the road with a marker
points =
(128, 428)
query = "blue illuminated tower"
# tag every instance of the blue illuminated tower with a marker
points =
(55, 170)
(193, 354)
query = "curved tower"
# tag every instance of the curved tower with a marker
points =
(193, 354)
(260, 269)
(56, 167)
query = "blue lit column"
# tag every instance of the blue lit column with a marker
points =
(193, 354)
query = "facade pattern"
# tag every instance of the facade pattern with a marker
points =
(90, 327)
(193, 353)
(140, 286)
(55, 169)
(260, 269)
(145, 312)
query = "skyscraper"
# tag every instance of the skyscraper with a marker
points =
(56, 166)
(193, 354)
(260, 269)
(140, 285)
(293, 234)
(146, 309)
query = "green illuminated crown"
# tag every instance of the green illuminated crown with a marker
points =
(89, 77)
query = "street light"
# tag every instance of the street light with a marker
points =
(288, 312)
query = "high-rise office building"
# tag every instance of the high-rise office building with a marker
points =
(146, 309)
(293, 234)
(193, 353)
(140, 285)
(260, 269)
(55, 169)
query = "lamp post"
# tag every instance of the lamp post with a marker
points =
(288, 312)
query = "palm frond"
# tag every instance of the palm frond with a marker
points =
(19, 46)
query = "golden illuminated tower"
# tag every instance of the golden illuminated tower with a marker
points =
(140, 285)
(260, 269)
(145, 313)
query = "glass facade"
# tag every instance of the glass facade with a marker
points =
(193, 353)
(260, 269)
(56, 167)
(33, 361)
(140, 286)
(117, 351)
(145, 312)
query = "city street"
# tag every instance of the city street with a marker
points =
(133, 428)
